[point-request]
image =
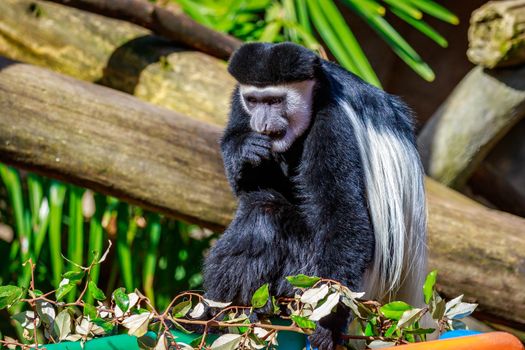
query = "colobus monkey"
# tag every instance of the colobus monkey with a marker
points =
(328, 180)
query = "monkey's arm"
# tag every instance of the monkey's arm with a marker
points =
(336, 213)
(248, 159)
(336, 209)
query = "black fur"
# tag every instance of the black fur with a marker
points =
(271, 64)
(303, 211)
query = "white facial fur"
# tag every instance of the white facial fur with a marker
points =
(298, 108)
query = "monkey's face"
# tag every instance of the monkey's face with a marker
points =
(283, 112)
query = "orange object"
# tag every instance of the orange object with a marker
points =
(485, 341)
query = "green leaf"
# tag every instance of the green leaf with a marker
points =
(275, 305)
(10, 295)
(179, 327)
(74, 276)
(181, 309)
(331, 26)
(90, 311)
(391, 330)
(303, 322)
(395, 310)
(64, 290)
(96, 292)
(418, 331)
(35, 293)
(260, 297)
(121, 299)
(107, 326)
(406, 8)
(428, 287)
(62, 324)
(302, 281)
(423, 27)
(398, 44)
(369, 329)
(436, 10)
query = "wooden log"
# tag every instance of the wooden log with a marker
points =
(478, 252)
(111, 142)
(116, 54)
(173, 25)
(497, 34)
(477, 114)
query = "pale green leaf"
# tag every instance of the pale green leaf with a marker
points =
(261, 296)
(326, 308)
(395, 309)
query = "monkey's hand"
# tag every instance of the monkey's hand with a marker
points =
(256, 148)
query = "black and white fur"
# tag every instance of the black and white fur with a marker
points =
(328, 180)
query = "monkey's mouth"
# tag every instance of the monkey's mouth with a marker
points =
(278, 134)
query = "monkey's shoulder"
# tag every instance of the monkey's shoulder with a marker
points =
(369, 103)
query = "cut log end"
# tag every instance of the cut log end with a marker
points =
(497, 34)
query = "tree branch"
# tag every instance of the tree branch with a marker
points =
(174, 26)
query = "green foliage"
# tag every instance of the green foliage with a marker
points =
(9, 295)
(303, 21)
(394, 323)
(52, 221)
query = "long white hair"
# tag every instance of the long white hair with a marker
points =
(394, 180)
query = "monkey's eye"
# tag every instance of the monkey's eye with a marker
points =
(275, 100)
(251, 99)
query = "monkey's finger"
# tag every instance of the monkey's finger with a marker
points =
(262, 152)
(263, 142)
(253, 159)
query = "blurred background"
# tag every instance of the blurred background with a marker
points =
(55, 201)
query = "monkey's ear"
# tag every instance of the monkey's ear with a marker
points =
(273, 64)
